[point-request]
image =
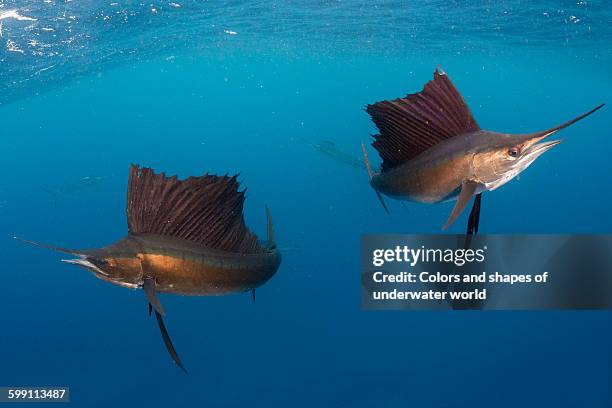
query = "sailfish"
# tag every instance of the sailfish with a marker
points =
(185, 237)
(433, 150)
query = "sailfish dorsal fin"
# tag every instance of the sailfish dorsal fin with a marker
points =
(409, 126)
(206, 209)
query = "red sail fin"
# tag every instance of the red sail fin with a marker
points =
(206, 209)
(409, 126)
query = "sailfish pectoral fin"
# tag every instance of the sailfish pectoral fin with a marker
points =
(468, 188)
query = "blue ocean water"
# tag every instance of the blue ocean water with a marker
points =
(89, 87)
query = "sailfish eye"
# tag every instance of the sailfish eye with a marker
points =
(513, 152)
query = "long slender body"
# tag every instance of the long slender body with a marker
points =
(185, 237)
(184, 267)
(433, 176)
(433, 150)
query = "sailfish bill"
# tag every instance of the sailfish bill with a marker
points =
(433, 150)
(74, 252)
(185, 237)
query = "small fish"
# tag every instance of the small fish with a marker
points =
(80, 184)
(329, 149)
(185, 237)
(433, 150)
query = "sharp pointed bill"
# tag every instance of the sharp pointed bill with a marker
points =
(545, 133)
(185, 237)
(431, 146)
(54, 248)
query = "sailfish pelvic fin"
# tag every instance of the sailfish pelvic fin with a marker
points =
(473, 221)
(155, 304)
(168, 342)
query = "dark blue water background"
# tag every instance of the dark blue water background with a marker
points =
(187, 87)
